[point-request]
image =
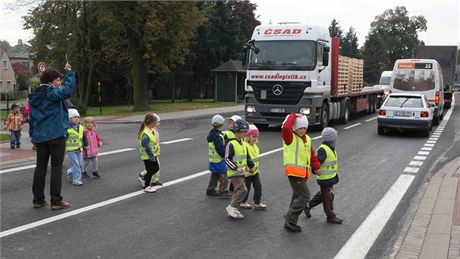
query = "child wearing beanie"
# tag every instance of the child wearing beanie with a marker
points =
(252, 175)
(298, 158)
(76, 140)
(327, 157)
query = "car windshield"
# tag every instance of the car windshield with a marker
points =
(385, 80)
(283, 55)
(404, 101)
(414, 80)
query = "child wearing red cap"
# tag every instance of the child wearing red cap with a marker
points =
(252, 175)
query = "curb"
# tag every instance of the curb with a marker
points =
(241, 112)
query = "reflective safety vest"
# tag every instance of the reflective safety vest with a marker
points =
(74, 139)
(239, 158)
(296, 157)
(153, 145)
(254, 155)
(228, 135)
(214, 157)
(330, 167)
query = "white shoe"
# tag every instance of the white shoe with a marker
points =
(150, 189)
(232, 212)
(246, 205)
(77, 183)
(240, 215)
(260, 206)
(141, 181)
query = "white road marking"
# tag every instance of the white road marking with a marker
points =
(371, 119)
(354, 125)
(411, 170)
(433, 138)
(419, 158)
(427, 148)
(175, 141)
(116, 151)
(315, 138)
(107, 202)
(14, 169)
(431, 142)
(429, 145)
(364, 237)
(423, 153)
(416, 163)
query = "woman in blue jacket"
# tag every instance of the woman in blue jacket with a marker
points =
(49, 122)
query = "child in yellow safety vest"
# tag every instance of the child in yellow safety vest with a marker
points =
(156, 177)
(252, 175)
(149, 149)
(229, 134)
(327, 157)
(237, 160)
(216, 154)
(75, 142)
(298, 157)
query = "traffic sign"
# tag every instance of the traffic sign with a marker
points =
(41, 67)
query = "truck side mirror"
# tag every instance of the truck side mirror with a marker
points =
(245, 56)
(326, 59)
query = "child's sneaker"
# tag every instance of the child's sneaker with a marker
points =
(96, 175)
(157, 183)
(77, 183)
(150, 189)
(260, 206)
(141, 181)
(232, 212)
(246, 205)
(84, 175)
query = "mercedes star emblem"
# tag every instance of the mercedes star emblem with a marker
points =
(277, 90)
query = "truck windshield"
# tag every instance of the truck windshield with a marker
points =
(414, 80)
(283, 55)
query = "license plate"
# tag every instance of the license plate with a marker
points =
(403, 114)
(277, 110)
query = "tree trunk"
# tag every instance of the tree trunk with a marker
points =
(140, 94)
(89, 83)
(172, 84)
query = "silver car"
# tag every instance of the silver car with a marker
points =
(405, 111)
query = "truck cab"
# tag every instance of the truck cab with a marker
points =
(287, 65)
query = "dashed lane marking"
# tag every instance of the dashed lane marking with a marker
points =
(354, 125)
(175, 141)
(427, 148)
(411, 170)
(429, 145)
(420, 158)
(371, 119)
(423, 153)
(416, 163)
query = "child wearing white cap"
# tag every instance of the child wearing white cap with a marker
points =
(327, 156)
(252, 174)
(75, 142)
(216, 154)
(298, 157)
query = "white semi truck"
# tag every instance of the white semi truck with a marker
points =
(293, 67)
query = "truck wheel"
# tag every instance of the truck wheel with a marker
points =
(346, 113)
(324, 116)
(436, 120)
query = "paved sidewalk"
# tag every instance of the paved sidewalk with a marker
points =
(435, 228)
(26, 156)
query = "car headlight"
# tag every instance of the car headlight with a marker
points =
(305, 111)
(250, 109)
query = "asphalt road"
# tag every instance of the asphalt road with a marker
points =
(180, 221)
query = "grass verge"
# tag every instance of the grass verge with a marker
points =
(159, 106)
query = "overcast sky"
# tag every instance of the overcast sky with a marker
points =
(442, 16)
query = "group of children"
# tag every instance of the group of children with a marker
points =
(82, 148)
(234, 155)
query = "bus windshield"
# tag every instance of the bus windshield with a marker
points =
(414, 80)
(283, 55)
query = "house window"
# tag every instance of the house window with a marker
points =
(8, 82)
(4, 64)
(1, 82)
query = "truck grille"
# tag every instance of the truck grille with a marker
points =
(291, 92)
